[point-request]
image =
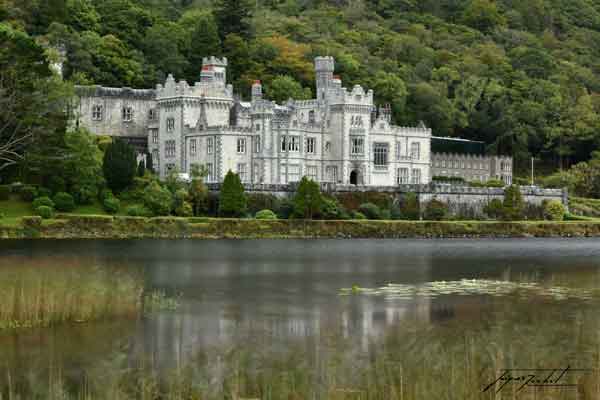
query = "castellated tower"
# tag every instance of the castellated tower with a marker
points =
(256, 91)
(324, 67)
(214, 70)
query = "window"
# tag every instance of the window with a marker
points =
(311, 117)
(209, 145)
(169, 148)
(331, 172)
(356, 120)
(380, 154)
(242, 172)
(358, 145)
(97, 113)
(398, 149)
(170, 124)
(127, 114)
(257, 127)
(310, 145)
(328, 147)
(311, 172)
(283, 143)
(256, 171)
(154, 165)
(293, 173)
(152, 114)
(415, 177)
(443, 163)
(192, 147)
(402, 176)
(154, 136)
(415, 150)
(257, 144)
(241, 145)
(210, 172)
(294, 143)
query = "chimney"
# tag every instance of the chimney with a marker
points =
(256, 91)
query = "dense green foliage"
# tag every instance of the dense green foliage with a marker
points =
(308, 200)
(513, 205)
(64, 202)
(232, 199)
(554, 210)
(520, 76)
(435, 210)
(265, 214)
(119, 165)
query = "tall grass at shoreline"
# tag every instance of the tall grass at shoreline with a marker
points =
(44, 295)
(442, 361)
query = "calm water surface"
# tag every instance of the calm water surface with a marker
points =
(273, 294)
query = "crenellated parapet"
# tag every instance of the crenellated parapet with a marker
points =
(411, 131)
(356, 96)
(124, 92)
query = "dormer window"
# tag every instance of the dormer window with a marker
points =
(127, 114)
(97, 113)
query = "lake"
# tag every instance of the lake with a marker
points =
(320, 319)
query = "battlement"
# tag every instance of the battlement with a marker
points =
(473, 157)
(356, 96)
(411, 131)
(215, 61)
(210, 89)
(326, 63)
(306, 103)
(125, 92)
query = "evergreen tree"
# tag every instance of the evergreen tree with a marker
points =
(513, 204)
(119, 165)
(232, 199)
(141, 168)
(204, 41)
(233, 16)
(149, 162)
(308, 200)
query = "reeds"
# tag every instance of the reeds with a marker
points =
(34, 296)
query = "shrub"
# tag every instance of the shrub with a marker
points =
(105, 193)
(494, 209)
(554, 210)
(43, 192)
(513, 204)
(265, 214)
(495, 183)
(56, 184)
(4, 192)
(232, 201)
(45, 212)
(386, 215)
(262, 201)
(410, 208)
(84, 194)
(158, 199)
(64, 202)
(358, 215)
(395, 212)
(184, 210)
(28, 193)
(476, 184)
(119, 165)
(370, 210)
(308, 200)
(138, 210)
(43, 201)
(435, 210)
(286, 209)
(111, 205)
(332, 209)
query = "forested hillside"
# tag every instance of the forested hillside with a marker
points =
(520, 75)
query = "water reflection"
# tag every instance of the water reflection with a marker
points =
(278, 292)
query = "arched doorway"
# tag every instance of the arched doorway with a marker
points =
(354, 177)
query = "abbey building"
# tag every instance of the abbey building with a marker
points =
(339, 137)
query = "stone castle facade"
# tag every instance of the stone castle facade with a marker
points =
(338, 137)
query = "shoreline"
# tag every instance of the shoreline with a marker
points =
(120, 227)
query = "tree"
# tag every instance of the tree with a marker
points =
(233, 17)
(119, 165)
(141, 168)
(308, 200)
(204, 41)
(483, 15)
(284, 87)
(232, 199)
(513, 205)
(82, 168)
(198, 192)
(158, 199)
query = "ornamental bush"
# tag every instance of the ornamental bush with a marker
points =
(410, 208)
(184, 210)
(265, 214)
(111, 205)
(332, 209)
(435, 210)
(45, 212)
(64, 202)
(370, 210)
(158, 199)
(43, 192)
(43, 201)
(232, 199)
(494, 209)
(358, 215)
(28, 193)
(513, 205)
(554, 210)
